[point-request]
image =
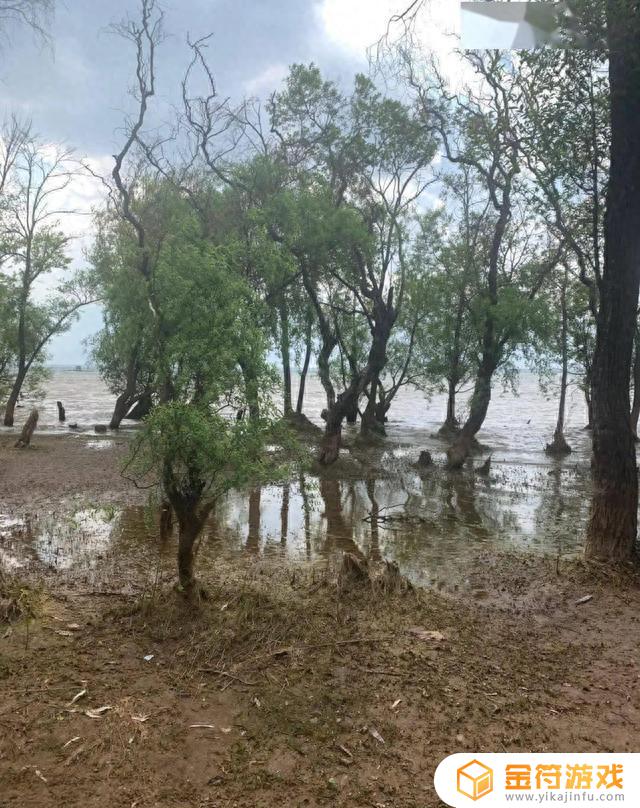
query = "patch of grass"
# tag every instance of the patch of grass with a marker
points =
(19, 600)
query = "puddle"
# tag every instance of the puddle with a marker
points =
(60, 542)
(435, 527)
(105, 443)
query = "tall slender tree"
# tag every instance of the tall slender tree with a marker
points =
(612, 530)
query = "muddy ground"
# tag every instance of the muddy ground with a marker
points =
(55, 467)
(290, 685)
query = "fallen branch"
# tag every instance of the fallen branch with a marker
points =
(218, 672)
(291, 649)
(385, 672)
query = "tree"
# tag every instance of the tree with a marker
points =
(197, 456)
(612, 530)
(559, 445)
(33, 247)
(375, 155)
(122, 350)
(34, 14)
(478, 128)
(564, 139)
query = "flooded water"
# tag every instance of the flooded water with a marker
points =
(436, 526)
(517, 427)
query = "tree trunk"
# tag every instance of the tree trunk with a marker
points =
(461, 448)
(459, 451)
(611, 534)
(141, 408)
(370, 424)
(559, 445)
(251, 387)
(451, 426)
(305, 368)
(285, 353)
(351, 416)
(166, 520)
(14, 395)
(189, 530)
(128, 396)
(382, 407)
(120, 410)
(635, 407)
(589, 402)
(27, 430)
(384, 320)
(367, 423)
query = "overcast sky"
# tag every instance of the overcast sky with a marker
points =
(76, 90)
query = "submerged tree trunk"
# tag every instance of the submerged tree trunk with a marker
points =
(253, 534)
(611, 534)
(120, 410)
(127, 397)
(370, 424)
(14, 395)
(305, 367)
(559, 445)
(141, 408)
(451, 425)
(385, 317)
(284, 514)
(27, 430)
(479, 405)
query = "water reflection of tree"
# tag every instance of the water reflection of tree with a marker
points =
(284, 513)
(374, 546)
(253, 536)
(306, 512)
(339, 531)
(458, 509)
(562, 513)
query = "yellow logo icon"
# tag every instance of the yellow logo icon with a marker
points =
(475, 780)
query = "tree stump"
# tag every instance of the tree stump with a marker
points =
(61, 413)
(558, 446)
(485, 468)
(353, 570)
(27, 430)
(425, 460)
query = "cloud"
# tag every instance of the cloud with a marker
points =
(355, 25)
(267, 80)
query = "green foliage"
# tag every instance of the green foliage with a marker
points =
(197, 453)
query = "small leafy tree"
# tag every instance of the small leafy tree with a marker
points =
(196, 456)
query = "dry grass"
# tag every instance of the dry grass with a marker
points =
(300, 672)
